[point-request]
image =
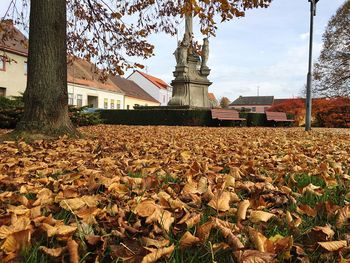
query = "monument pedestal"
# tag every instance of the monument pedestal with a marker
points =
(190, 86)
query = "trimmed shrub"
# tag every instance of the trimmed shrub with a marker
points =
(171, 117)
(10, 116)
(11, 103)
(81, 118)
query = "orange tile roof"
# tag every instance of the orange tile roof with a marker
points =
(211, 96)
(83, 72)
(156, 81)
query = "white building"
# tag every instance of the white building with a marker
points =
(84, 85)
(13, 61)
(85, 88)
(156, 87)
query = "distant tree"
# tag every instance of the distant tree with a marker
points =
(224, 102)
(100, 30)
(332, 70)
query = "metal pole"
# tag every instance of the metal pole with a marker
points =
(309, 74)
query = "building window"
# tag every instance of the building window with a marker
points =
(253, 109)
(112, 104)
(105, 104)
(163, 98)
(128, 107)
(70, 99)
(118, 104)
(2, 92)
(80, 100)
(2, 63)
(25, 68)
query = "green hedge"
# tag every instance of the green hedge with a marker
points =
(9, 117)
(171, 117)
(179, 117)
(166, 116)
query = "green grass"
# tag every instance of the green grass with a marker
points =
(304, 180)
(135, 175)
(64, 215)
(30, 196)
(34, 255)
(275, 227)
(169, 179)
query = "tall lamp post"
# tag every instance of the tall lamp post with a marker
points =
(309, 74)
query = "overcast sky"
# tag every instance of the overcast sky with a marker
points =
(267, 49)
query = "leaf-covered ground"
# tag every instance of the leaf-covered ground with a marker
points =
(177, 194)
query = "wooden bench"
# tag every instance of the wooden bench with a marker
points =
(226, 115)
(277, 116)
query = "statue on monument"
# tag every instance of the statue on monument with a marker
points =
(205, 53)
(184, 47)
(190, 86)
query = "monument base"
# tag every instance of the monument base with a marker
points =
(190, 86)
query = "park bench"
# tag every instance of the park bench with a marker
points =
(226, 115)
(277, 116)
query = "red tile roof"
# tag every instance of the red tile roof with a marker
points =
(131, 89)
(83, 72)
(211, 96)
(156, 81)
(11, 39)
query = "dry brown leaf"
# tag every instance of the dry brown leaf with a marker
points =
(146, 208)
(53, 252)
(60, 230)
(333, 245)
(44, 197)
(203, 231)
(166, 219)
(72, 204)
(202, 185)
(343, 214)
(254, 256)
(306, 210)
(260, 216)
(194, 220)
(230, 181)
(157, 254)
(221, 203)
(227, 229)
(148, 242)
(242, 210)
(10, 245)
(72, 247)
(324, 233)
(188, 240)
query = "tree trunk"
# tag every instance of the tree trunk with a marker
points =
(46, 98)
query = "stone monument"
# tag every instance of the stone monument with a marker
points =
(190, 86)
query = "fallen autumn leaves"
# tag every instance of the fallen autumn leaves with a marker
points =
(176, 194)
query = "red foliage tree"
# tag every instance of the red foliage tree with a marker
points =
(332, 113)
(291, 106)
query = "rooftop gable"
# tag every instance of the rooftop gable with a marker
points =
(11, 39)
(211, 96)
(156, 81)
(131, 89)
(83, 72)
(253, 100)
